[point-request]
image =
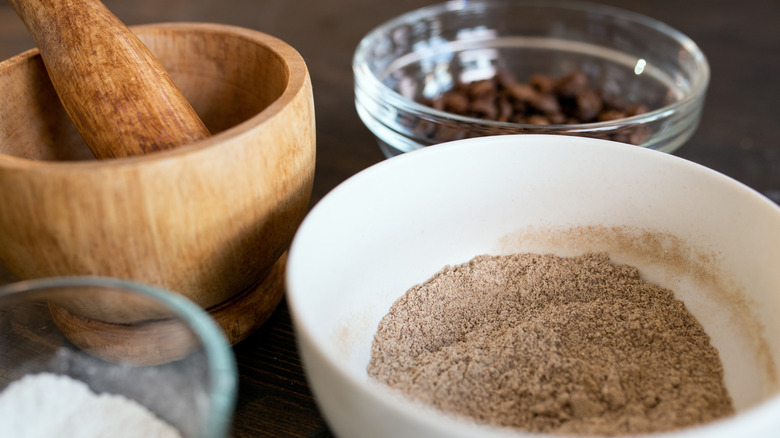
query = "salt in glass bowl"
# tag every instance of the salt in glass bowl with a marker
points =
(628, 56)
(192, 386)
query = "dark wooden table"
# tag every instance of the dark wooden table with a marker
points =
(739, 134)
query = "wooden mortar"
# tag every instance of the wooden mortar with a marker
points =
(210, 220)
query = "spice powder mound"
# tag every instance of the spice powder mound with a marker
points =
(562, 345)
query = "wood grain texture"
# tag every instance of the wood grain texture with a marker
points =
(163, 339)
(119, 96)
(207, 220)
(145, 344)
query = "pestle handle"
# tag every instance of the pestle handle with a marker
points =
(120, 98)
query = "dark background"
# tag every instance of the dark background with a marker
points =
(738, 134)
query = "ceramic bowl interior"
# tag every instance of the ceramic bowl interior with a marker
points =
(709, 238)
(628, 56)
(195, 393)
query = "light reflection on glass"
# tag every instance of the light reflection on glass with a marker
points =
(640, 66)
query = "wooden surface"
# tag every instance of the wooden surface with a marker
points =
(119, 96)
(739, 134)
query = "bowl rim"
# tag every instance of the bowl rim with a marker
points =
(296, 72)
(310, 338)
(223, 371)
(363, 74)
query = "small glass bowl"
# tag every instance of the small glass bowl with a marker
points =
(120, 337)
(627, 56)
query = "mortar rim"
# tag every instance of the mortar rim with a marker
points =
(297, 83)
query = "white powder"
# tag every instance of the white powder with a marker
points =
(50, 405)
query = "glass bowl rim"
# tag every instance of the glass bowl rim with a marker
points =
(223, 371)
(365, 78)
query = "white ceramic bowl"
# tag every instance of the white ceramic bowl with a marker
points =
(709, 238)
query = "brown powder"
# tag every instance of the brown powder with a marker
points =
(551, 344)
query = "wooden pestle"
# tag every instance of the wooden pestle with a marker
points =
(119, 97)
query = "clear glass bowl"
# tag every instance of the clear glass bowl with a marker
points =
(628, 56)
(120, 337)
